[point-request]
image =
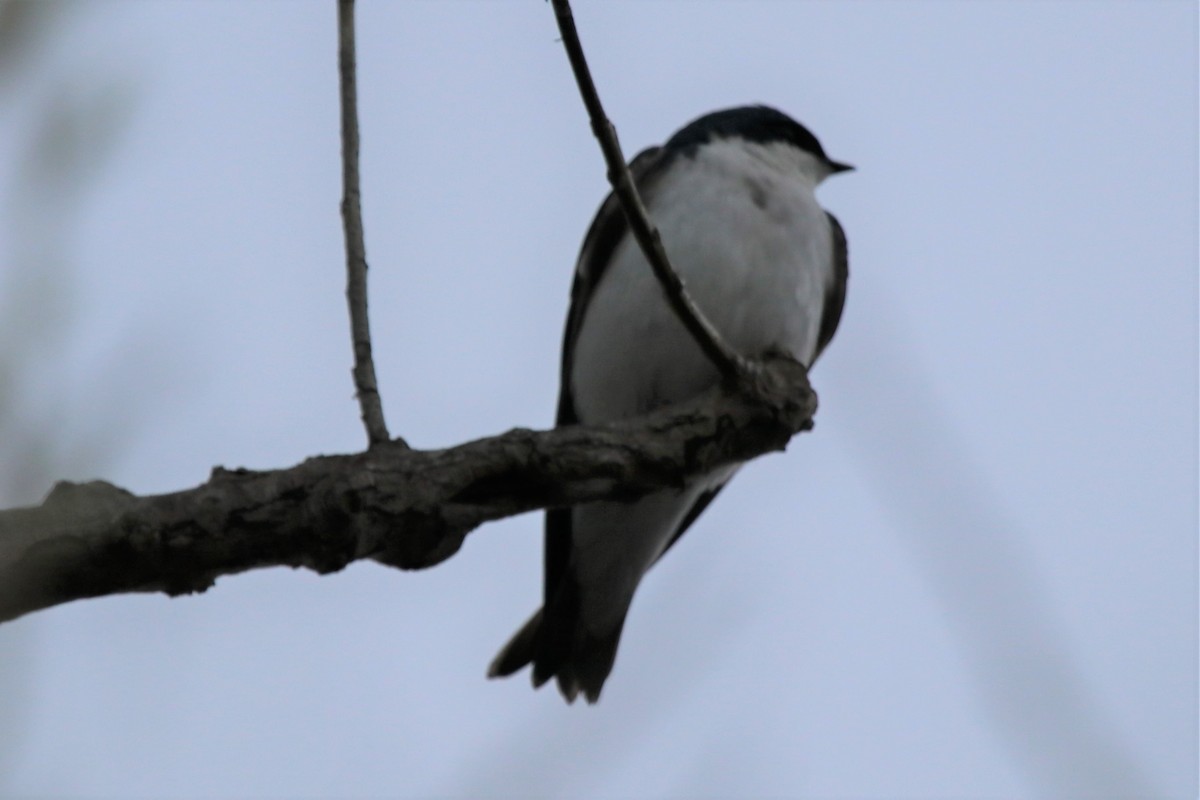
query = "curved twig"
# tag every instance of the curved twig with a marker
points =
(365, 385)
(725, 358)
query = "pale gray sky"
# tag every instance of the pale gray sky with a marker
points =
(976, 577)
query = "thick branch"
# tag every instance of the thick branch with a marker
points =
(723, 357)
(401, 507)
(365, 385)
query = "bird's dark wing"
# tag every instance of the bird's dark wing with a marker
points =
(835, 297)
(607, 230)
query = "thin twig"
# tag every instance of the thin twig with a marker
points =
(365, 385)
(727, 360)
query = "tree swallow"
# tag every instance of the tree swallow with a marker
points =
(732, 197)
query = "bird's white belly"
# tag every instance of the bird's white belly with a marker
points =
(760, 275)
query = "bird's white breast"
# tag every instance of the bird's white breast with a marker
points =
(742, 226)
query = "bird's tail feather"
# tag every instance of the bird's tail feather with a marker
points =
(588, 666)
(560, 648)
(519, 651)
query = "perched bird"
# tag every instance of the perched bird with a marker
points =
(732, 196)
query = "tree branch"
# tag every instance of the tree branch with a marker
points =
(726, 359)
(401, 507)
(365, 385)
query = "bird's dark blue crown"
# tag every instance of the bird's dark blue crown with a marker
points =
(761, 124)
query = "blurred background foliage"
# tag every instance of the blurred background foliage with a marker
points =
(63, 124)
(59, 125)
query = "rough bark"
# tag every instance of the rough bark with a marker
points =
(401, 507)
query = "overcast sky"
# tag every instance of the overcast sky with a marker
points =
(976, 577)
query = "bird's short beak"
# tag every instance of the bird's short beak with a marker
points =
(837, 166)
